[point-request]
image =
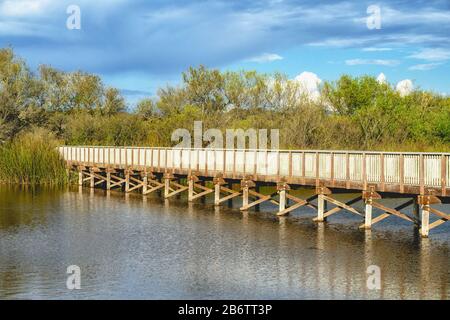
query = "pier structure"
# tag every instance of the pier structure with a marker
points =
(422, 180)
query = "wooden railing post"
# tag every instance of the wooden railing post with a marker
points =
(444, 175)
(303, 168)
(332, 169)
(364, 171)
(402, 173)
(347, 169)
(382, 177)
(317, 170)
(422, 174)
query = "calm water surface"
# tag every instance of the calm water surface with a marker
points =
(129, 246)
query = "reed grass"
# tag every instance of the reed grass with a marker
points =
(32, 158)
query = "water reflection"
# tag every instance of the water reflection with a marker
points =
(130, 246)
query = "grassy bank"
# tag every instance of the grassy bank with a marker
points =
(31, 158)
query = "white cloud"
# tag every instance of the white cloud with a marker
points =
(21, 8)
(376, 49)
(378, 62)
(405, 87)
(435, 54)
(388, 39)
(381, 78)
(309, 84)
(266, 57)
(427, 16)
(342, 42)
(424, 66)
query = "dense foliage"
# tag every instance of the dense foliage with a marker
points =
(351, 113)
(31, 158)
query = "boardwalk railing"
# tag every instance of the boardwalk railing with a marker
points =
(389, 171)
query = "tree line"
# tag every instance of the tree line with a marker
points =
(77, 108)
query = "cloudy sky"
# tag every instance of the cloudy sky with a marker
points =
(139, 45)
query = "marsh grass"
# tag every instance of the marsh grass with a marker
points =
(32, 158)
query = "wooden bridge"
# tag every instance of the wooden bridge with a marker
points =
(423, 179)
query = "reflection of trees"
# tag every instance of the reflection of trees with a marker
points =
(328, 262)
(24, 205)
(227, 253)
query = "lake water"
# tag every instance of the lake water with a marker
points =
(135, 247)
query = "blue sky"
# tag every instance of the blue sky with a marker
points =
(139, 45)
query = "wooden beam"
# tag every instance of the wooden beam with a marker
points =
(118, 181)
(385, 215)
(80, 178)
(171, 194)
(254, 203)
(154, 185)
(231, 196)
(298, 203)
(286, 211)
(308, 204)
(337, 209)
(440, 213)
(443, 218)
(218, 188)
(341, 205)
(259, 195)
(392, 211)
(201, 194)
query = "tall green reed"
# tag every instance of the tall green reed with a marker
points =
(32, 158)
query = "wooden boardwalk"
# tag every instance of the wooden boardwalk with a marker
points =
(423, 178)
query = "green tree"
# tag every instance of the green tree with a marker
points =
(113, 103)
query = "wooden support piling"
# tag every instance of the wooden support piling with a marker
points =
(244, 198)
(108, 180)
(368, 214)
(409, 174)
(127, 181)
(80, 177)
(282, 188)
(169, 183)
(144, 183)
(426, 201)
(191, 188)
(282, 201)
(151, 183)
(320, 208)
(166, 186)
(216, 194)
(92, 178)
(321, 198)
(298, 203)
(246, 192)
(219, 188)
(425, 230)
(369, 196)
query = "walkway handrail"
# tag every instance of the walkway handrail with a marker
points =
(364, 167)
